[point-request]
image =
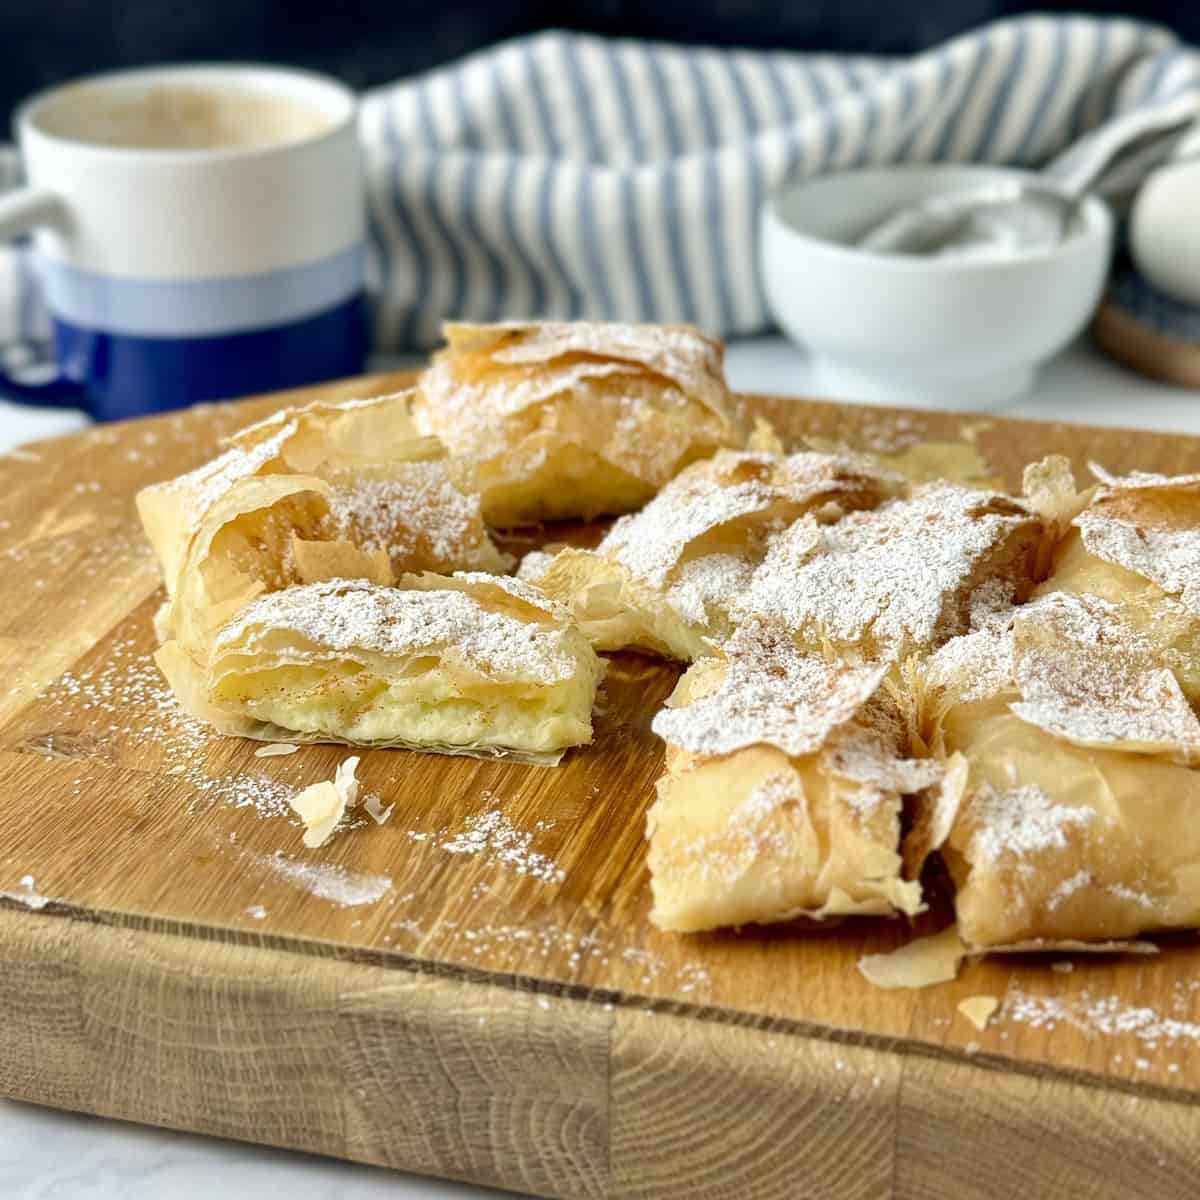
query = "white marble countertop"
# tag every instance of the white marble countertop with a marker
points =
(46, 1154)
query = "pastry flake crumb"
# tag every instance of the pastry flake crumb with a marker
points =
(917, 964)
(375, 809)
(276, 750)
(322, 805)
(979, 1010)
(1064, 966)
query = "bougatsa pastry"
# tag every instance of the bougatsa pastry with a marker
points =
(901, 578)
(466, 664)
(576, 419)
(1137, 545)
(321, 492)
(1077, 821)
(346, 435)
(783, 791)
(663, 579)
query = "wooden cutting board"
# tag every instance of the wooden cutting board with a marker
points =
(473, 989)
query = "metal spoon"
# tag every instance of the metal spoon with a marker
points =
(1021, 215)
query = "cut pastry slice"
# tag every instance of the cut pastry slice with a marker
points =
(1137, 545)
(1075, 822)
(576, 419)
(664, 579)
(899, 579)
(783, 791)
(313, 440)
(331, 490)
(473, 664)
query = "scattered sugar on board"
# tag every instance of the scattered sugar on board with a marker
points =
(336, 884)
(1104, 1015)
(127, 699)
(490, 834)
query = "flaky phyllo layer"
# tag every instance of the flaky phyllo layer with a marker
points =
(665, 579)
(783, 790)
(467, 664)
(346, 490)
(576, 419)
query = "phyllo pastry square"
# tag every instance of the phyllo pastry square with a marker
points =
(901, 578)
(1077, 820)
(470, 664)
(783, 791)
(664, 579)
(1136, 544)
(576, 419)
(334, 489)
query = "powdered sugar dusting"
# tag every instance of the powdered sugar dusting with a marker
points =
(1068, 888)
(349, 615)
(345, 888)
(1167, 557)
(1088, 679)
(711, 581)
(772, 694)
(127, 698)
(492, 835)
(1021, 820)
(1098, 1015)
(649, 543)
(771, 793)
(204, 486)
(890, 574)
(419, 511)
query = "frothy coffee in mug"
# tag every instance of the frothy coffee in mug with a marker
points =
(179, 117)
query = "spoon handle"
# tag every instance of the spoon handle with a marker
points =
(1134, 143)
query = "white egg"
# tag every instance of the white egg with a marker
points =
(1164, 231)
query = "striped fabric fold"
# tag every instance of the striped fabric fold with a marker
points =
(564, 175)
(572, 176)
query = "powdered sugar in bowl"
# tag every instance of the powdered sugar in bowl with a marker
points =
(955, 331)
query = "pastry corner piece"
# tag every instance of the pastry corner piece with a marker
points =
(664, 579)
(576, 419)
(334, 489)
(901, 578)
(467, 664)
(1076, 824)
(783, 792)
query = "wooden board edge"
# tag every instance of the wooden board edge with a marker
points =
(546, 1094)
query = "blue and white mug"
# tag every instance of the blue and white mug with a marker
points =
(198, 235)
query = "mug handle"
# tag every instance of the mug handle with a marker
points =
(20, 211)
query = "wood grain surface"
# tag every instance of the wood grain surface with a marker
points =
(473, 989)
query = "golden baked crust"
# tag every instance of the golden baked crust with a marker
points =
(575, 419)
(1081, 748)
(783, 791)
(665, 579)
(346, 489)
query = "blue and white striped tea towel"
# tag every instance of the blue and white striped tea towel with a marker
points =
(571, 176)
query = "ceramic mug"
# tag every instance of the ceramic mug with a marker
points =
(198, 234)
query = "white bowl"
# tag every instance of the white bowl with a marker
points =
(923, 332)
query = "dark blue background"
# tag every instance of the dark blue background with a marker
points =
(373, 41)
